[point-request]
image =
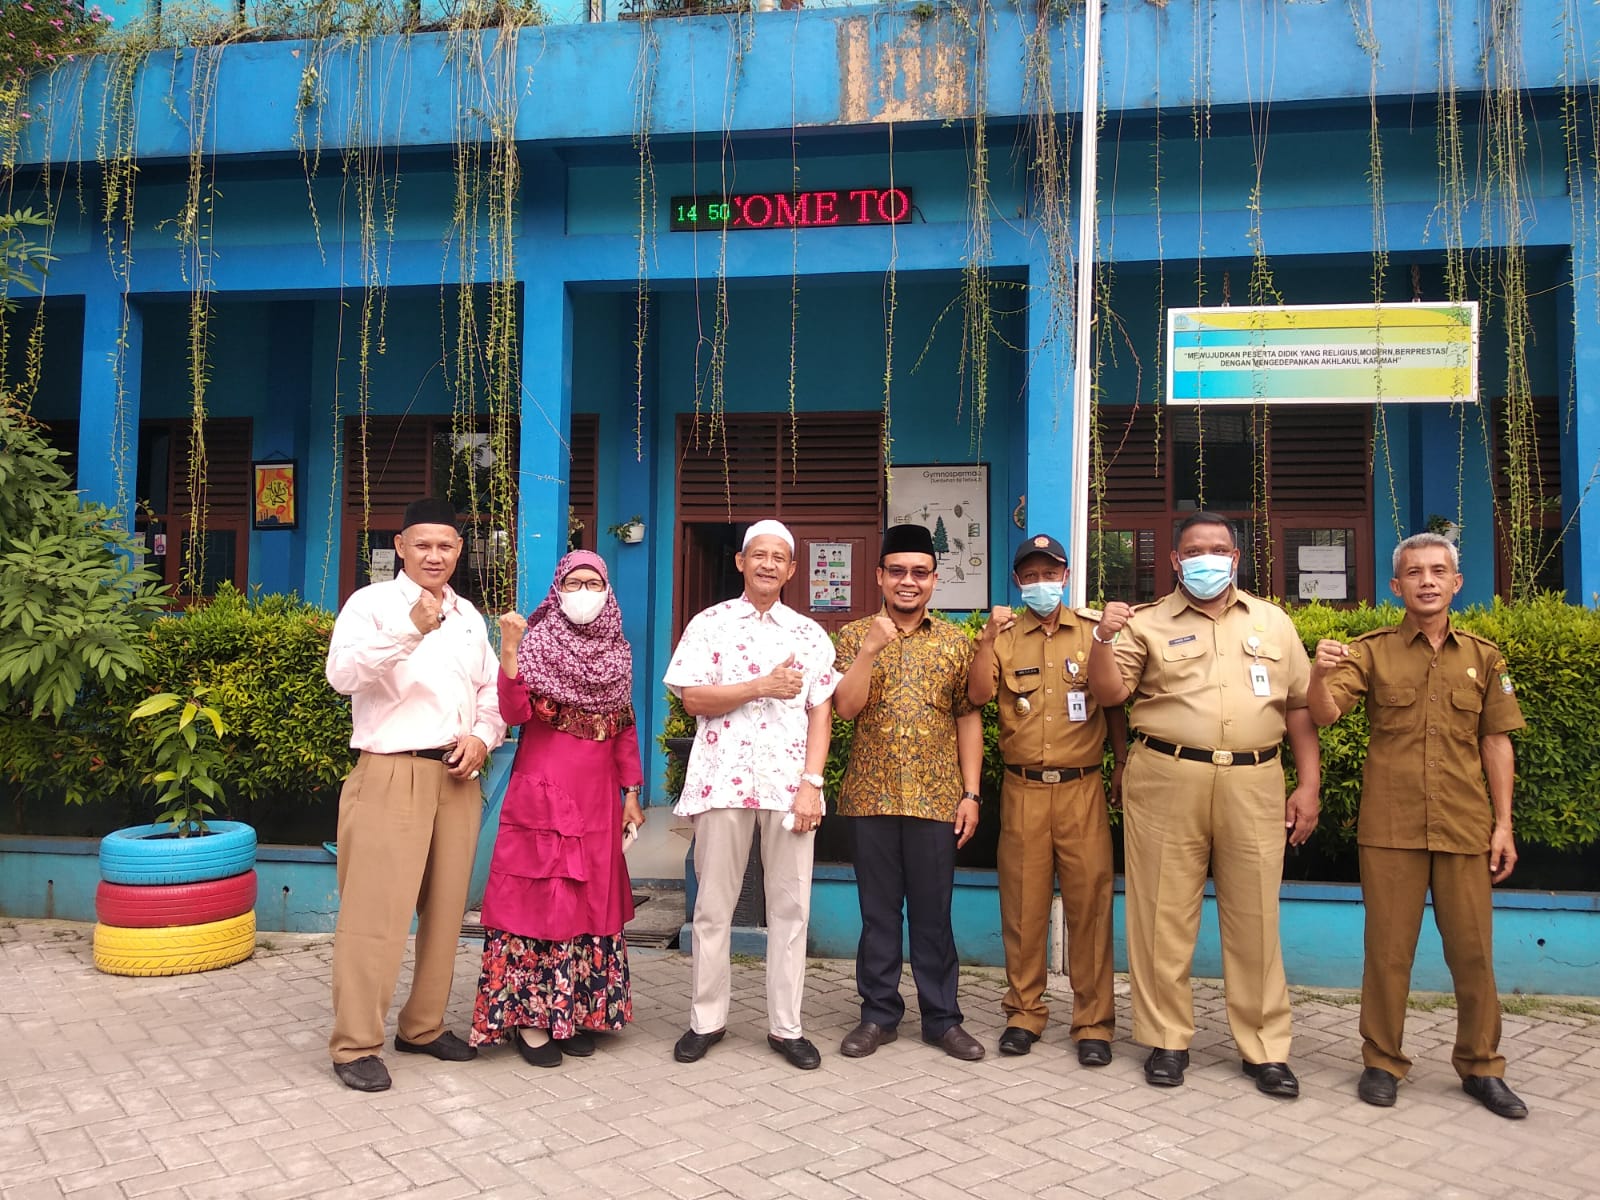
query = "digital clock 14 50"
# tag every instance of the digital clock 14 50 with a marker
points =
(824, 208)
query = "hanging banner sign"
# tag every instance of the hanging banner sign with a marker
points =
(1323, 354)
(791, 210)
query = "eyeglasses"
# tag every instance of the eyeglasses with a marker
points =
(920, 574)
(583, 585)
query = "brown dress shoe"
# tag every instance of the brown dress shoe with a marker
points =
(958, 1043)
(865, 1038)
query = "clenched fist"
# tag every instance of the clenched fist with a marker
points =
(512, 626)
(1114, 619)
(427, 614)
(881, 632)
(1329, 655)
(1001, 618)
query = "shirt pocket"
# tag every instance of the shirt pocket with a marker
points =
(1186, 666)
(1394, 710)
(1466, 710)
(1024, 685)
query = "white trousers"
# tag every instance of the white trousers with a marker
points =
(721, 852)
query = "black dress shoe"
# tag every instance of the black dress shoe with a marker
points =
(579, 1045)
(1094, 1052)
(1492, 1092)
(797, 1052)
(1017, 1041)
(545, 1054)
(1273, 1079)
(446, 1046)
(1165, 1068)
(1377, 1087)
(692, 1046)
(865, 1038)
(958, 1043)
(366, 1074)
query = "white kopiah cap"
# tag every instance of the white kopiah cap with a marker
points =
(775, 528)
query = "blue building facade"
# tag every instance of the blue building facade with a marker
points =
(403, 260)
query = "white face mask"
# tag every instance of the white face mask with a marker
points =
(584, 606)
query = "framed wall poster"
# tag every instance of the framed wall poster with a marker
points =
(952, 502)
(273, 494)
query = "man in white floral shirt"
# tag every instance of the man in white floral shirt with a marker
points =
(757, 676)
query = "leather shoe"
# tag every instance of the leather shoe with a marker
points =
(865, 1038)
(1016, 1040)
(366, 1074)
(579, 1045)
(958, 1043)
(446, 1046)
(545, 1054)
(1094, 1052)
(692, 1046)
(1377, 1087)
(1273, 1079)
(1492, 1092)
(797, 1052)
(1165, 1068)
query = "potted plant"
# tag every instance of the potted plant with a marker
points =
(178, 896)
(630, 532)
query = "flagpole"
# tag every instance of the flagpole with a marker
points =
(1082, 384)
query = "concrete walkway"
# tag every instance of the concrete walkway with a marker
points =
(219, 1085)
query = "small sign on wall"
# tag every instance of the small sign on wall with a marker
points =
(953, 503)
(830, 578)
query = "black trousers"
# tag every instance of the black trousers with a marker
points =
(905, 867)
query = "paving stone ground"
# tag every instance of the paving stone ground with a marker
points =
(219, 1085)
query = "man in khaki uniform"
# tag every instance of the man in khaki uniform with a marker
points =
(1440, 705)
(1053, 823)
(1217, 677)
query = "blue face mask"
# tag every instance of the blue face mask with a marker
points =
(1207, 575)
(1043, 598)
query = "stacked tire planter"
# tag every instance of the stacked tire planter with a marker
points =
(170, 905)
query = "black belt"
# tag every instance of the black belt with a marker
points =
(1219, 758)
(1054, 775)
(438, 754)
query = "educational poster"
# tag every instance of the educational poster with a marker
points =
(382, 566)
(953, 503)
(830, 577)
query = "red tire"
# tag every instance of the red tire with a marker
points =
(156, 906)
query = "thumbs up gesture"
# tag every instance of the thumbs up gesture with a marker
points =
(783, 682)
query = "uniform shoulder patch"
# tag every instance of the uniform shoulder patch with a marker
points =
(1373, 633)
(1474, 637)
(1089, 614)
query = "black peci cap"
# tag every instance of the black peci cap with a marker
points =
(907, 539)
(430, 510)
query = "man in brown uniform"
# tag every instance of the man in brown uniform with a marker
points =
(1053, 821)
(1217, 676)
(1440, 705)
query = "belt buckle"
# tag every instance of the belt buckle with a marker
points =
(1050, 776)
(1222, 758)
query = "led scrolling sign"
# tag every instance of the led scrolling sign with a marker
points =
(826, 208)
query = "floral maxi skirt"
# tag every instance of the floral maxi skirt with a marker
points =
(559, 986)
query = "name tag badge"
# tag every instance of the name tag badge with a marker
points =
(1259, 683)
(1077, 706)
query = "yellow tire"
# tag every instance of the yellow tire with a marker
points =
(175, 950)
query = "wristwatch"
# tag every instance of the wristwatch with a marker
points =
(815, 781)
(973, 796)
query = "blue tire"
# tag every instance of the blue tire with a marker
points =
(152, 854)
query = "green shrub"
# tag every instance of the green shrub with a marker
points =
(261, 660)
(1553, 650)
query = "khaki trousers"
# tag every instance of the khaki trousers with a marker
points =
(1180, 816)
(1051, 832)
(407, 832)
(721, 851)
(1394, 886)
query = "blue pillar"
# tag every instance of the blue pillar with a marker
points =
(1579, 343)
(278, 557)
(546, 418)
(108, 429)
(322, 523)
(1048, 424)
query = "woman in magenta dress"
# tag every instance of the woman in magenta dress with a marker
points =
(555, 963)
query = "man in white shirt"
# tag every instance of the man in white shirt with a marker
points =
(415, 660)
(757, 676)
